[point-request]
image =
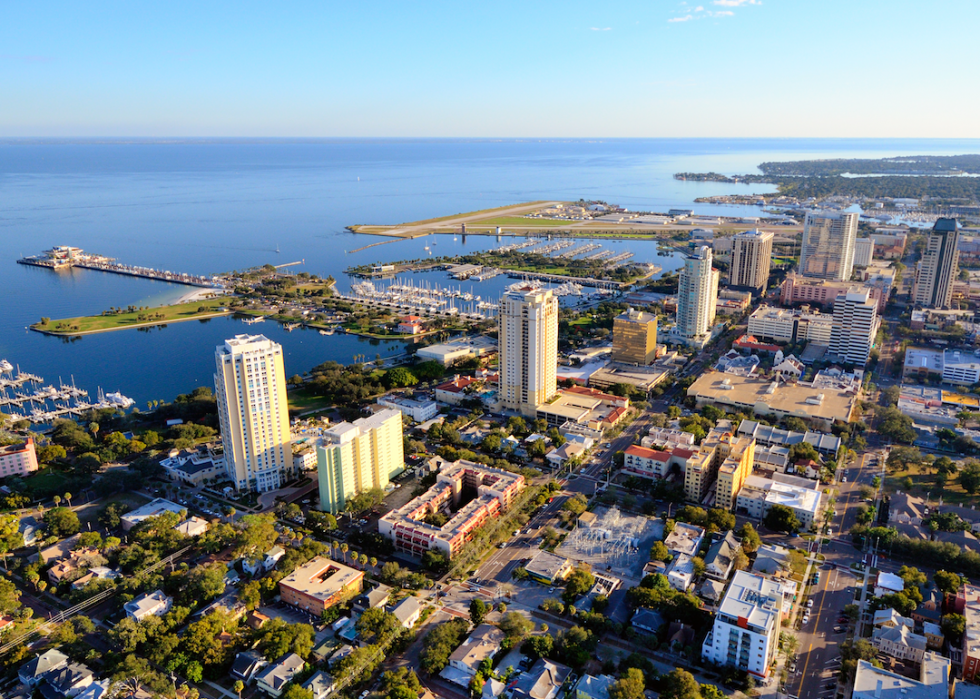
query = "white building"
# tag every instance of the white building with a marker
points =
(751, 259)
(745, 633)
(790, 325)
(418, 410)
(939, 266)
(759, 494)
(697, 295)
(887, 583)
(680, 574)
(864, 251)
(871, 682)
(855, 326)
(148, 604)
(960, 368)
(250, 384)
(899, 642)
(827, 251)
(528, 346)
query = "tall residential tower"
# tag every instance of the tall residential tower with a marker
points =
(855, 324)
(939, 266)
(751, 259)
(697, 295)
(828, 245)
(528, 346)
(250, 385)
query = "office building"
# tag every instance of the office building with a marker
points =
(250, 385)
(938, 267)
(495, 491)
(790, 325)
(635, 337)
(318, 585)
(864, 252)
(854, 327)
(827, 251)
(758, 495)
(697, 295)
(746, 628)
(355, 457)
(528, 346)
(751, 259)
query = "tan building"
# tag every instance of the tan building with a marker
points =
(739, 455)
(697, 295)
(355, 457)
(751, 260)
(250, 384)
(827, 250)
(528, 346)
(939, 266)
(635, 337)
(320, 584)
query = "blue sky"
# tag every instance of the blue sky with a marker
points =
(658, 68)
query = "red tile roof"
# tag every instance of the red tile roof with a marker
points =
(456, 385)
(648, 453)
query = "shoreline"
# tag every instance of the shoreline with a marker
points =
(196, 295)
(79, 333)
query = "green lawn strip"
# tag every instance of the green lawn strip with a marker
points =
(161, 314)
(521, 221)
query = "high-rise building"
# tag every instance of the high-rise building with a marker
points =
(250, 384)
(354, 457)
(697, 295)
(939, 266)
(854, 327)
(528, 347)
(635, 337)
(751, 259)
(864, 252)
(739, 456)
(828, 245)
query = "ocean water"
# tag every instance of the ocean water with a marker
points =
(206, 206)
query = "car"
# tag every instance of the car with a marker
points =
(844, 479)
(551, 589)
(809, 604)
(839, 629)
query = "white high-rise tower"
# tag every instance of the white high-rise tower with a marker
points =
(697, 295)
(528, 345)
(855, 324)
(250, 384)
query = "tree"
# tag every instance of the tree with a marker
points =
(970, 477)
(10, 536)
(194, 671)
(803, 451)
(439, 644)
(895, 425)
(239, 687)
(133, 672)
(128, 634)
(399, 377)
(631, 685)
(538, 646)
(378, 624)
(478, 611)
(515, 625)
(913, 577)
(296, 691)
(946, 582)
(256, 534)
(9, 596)
(680, 684)
(750, 538)
(954, 626)
(659, 552)
(62, 522)
(781, 518)
(578, 582)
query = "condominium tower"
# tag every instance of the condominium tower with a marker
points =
(854, 327)
(697, 295)
(751, 259)
(354, 457)
(939, 266)
(635, 337)
(250, 385)
(828, 245)
(528, 346)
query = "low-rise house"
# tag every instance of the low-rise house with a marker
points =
(266, 562)
(321, 684)
(890, 619)
(372, 599)
(680, 573)
(649, 620)
(31, 530)
(148, 604)
(543, 681)
(95, 573)
(193, 527)
(494, 688)
(195, 467)
(408, 611)
(888, 583)
(94, 690)
(66, 681)
(931, 607)
(769, 559)
(547, 568)
(934, 635)
(720, 560)
(33, 671)
(418, 410)
(255, 619)
(684, 539)
(589, 687)
(563, 454)
(711, 590)
(904, 508)
(276, 676)
(483, 643)
(900, 643)
(455, 391)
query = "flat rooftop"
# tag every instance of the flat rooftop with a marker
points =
(753, 598)
(321, 578)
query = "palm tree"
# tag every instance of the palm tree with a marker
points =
(93, 427)
(364, 560)
(343, 549)
(335, 546)
(239, 687)
(68, 498)
(57, 500)
(374, 562)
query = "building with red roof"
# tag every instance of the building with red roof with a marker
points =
(410, 325)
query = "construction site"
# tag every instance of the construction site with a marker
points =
(613, 542)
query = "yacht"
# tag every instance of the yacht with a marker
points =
(119, 400)
(5, 366)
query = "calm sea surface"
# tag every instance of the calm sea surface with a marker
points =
(212, 206)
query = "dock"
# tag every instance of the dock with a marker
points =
(561, 279)
(66, 257)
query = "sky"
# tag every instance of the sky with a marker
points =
(658, 68)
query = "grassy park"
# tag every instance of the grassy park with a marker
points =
(120, 319)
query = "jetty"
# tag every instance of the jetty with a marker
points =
(66, 257)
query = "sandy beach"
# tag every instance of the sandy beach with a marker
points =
(197, 295)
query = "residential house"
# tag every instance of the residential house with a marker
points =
(888, 583)
(543, 681)
(255, 619)
(890, 619)
(66, 681)
(193, 527)
(95, 573)
(74, 565)
(33, 671)
(931, 607)
(720, 560)
(275, 677)
(321, 684)
(563, 454)
(376, 597)
(935, 638)
(265, 563)
(711, 590)
(900, 643)
(649, 620)
(769, 559)
(589, 687)
(148, 604)
(94, 690)
(685, 538)
(408, 611)
(483, 643)
(455, 391)
(904, 508)
(680, 573)
(491, 690)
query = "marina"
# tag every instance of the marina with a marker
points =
(49, 403)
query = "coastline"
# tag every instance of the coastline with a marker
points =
(79, 333)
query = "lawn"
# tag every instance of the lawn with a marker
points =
(301, 400)
(924, 483)
(89, 512)
(119, 321)
(521, 221)
(584, 320)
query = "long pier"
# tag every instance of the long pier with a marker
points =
(65, 257)
(561, 278)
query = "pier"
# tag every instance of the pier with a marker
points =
(562, 278)
(66, 257)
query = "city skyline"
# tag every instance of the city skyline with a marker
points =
(324, 70)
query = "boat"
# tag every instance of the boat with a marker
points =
(292, 326)
(253, 321)
(5, 366)
(119, 400)
(327, 332)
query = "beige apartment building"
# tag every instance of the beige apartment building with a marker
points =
(250, 385)
(738, 456)
(528, 347)
(751, 260)
(355, 457)
(939, 266)
(697, 295)
(635, 337)
(827, 251)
